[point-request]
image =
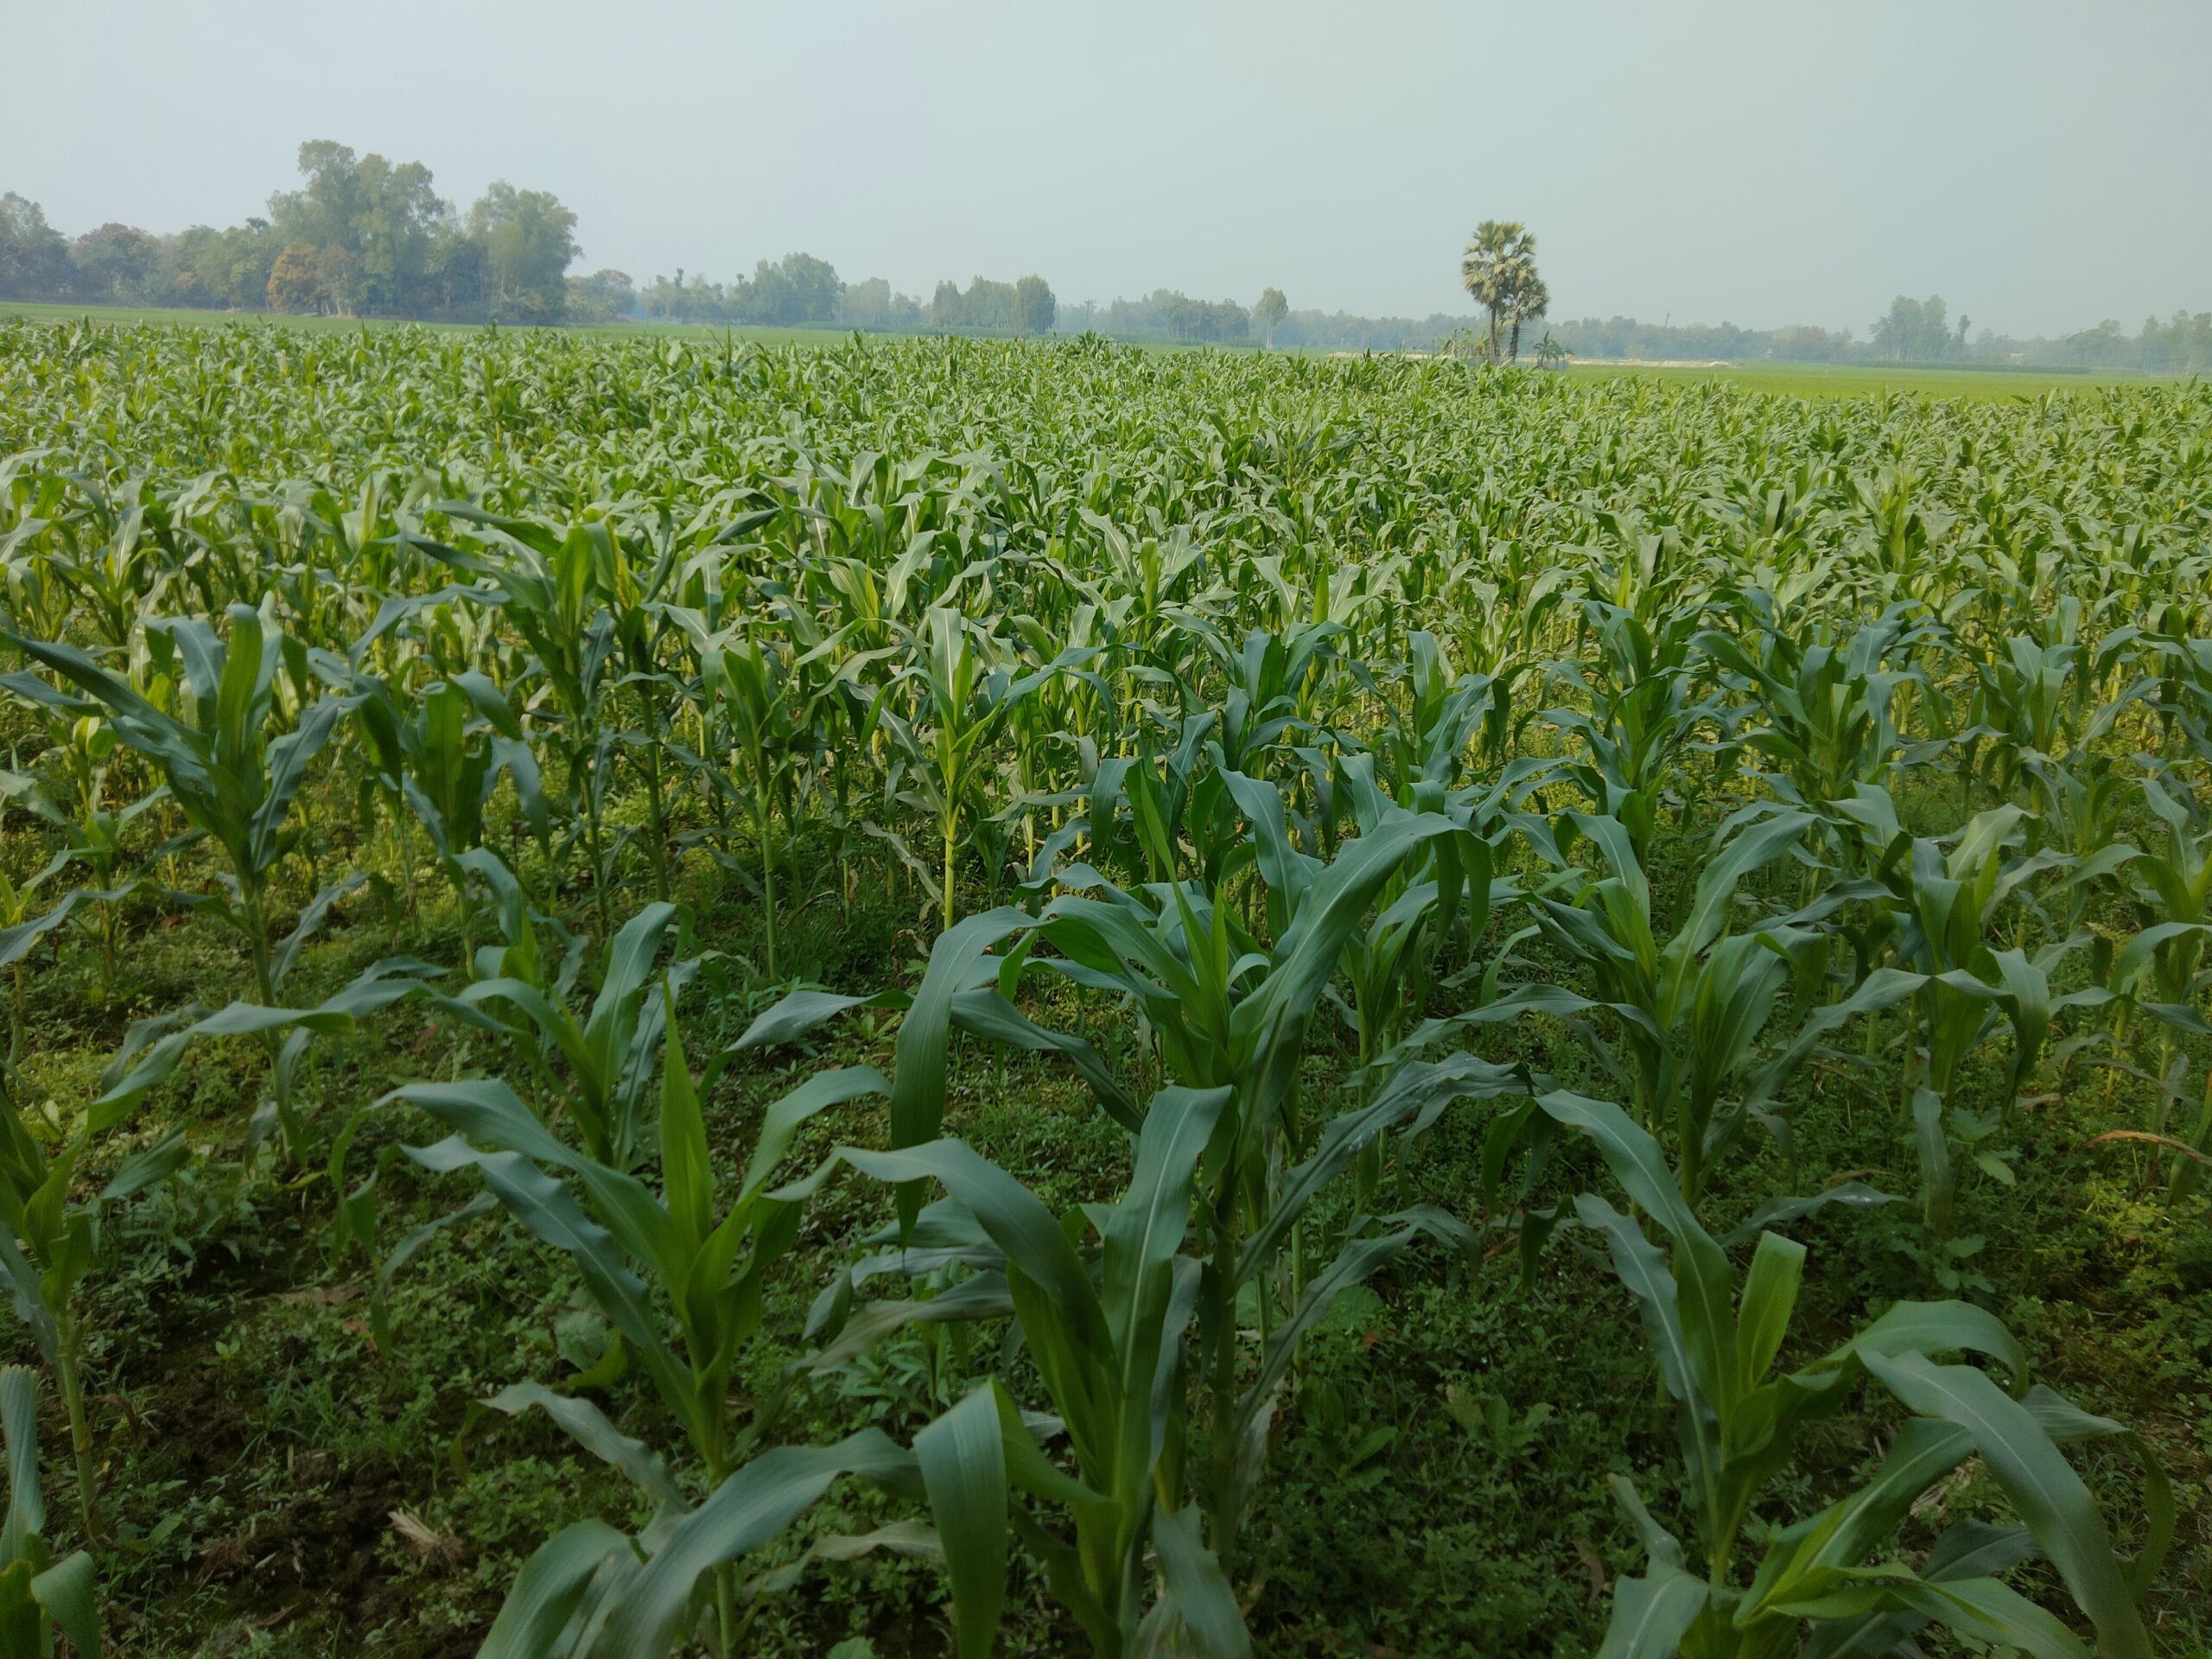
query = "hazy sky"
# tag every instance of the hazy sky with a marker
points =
(2041, 165)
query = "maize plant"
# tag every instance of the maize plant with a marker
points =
(38, 1594)
(1640, 715)
(1328, 767)
(237, 785)
(609, 1048)
(1718, 1338)
(60, 1235)
(1690, 1008)
(770, 713)
(2166, 956)
(1227, 1014)
(438, 762)
(678, 1274)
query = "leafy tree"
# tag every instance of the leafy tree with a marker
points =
(1034, 305)
(34, 257)
(374, 224)
(395, 210)
(1268, 312)
(801, 289)
(602, 296)
(322, 214)
(1915, 330)
(1206, 320)
(338, 272)
(452, 270)
(294, 285)
(1529, 300)
(529, 239)
(1494, 265)
(766, 297)
(815, 287)
(985, 304)
(873, 305)
(115, 262)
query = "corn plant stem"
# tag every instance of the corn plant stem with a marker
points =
(68, 1363)
(2162, 1104)
(2187, 1171)
(581, 777)
(1689, 1150)
(280, 1079)
(655, 809)
(1221, 1288)
(768, 883)
(404, 850)
(726, 1622)
(951, 844)
(108, 924)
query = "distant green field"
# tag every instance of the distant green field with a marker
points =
(128, 314)
(1794, 379)
(1827, 380)
(125, 316)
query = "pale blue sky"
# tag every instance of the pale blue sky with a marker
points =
(2041, 165)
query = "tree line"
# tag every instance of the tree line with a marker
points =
(368, 237)
(801, 289)
(363, 236)
(1911, 331)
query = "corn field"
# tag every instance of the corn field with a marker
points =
(947, 996)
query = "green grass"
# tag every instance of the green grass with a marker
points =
(176, 316)
(1853, 380)
(131, 316)
(1793, 379)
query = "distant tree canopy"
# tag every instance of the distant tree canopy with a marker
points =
(1165, 313)
(802, 288)
(1027, 307)
(363, 236)
(1915, 331)
(367, 236)
(871, 305)
(528, 240)
(606, 295)
(33, 256)
(1268, 312)
(1498, 270)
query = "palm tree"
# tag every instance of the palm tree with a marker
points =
(1492, 265)
(1529, 300)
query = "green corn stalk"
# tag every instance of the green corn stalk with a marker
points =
(772, 715)
(440, 760)
(1950, 899)
(1111, 1349)
(38, 1594)
(1229, 1013)
(960, 706)
(2172, 895)
(679, 1284)
(236, 786)
(1717, 1339)
(1690, 1008)
(1640, 715)
(1111, 1333)
(608, 1049)
(92, 832)
(50, 1236)
(556, 588)
(1827, 702)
